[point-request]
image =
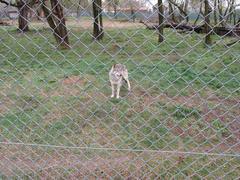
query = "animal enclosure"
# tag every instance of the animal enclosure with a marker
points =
(181, 119)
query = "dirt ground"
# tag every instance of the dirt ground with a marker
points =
(114, 24)
(28, 160)
(46, 163)
(86, 24)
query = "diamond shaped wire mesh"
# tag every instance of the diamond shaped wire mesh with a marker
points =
(181, 119)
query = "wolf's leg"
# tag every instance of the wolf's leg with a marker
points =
(118, 89)
(125, 77)
(129, 86)
(112, 85)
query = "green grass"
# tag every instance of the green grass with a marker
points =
(41, 108)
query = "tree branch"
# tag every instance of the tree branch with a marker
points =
(179, 8)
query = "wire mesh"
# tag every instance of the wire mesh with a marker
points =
(181, 119)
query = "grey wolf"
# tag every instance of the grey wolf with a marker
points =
(117, 75)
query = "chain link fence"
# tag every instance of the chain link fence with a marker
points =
(181, 119)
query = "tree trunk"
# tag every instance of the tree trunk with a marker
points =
(97, 24)
(23, 17)
(231, 11)
(200, 29)
(198, 16)
(133, 16)
(220, 11)
(160, 21)
(79, 9)
(171, 13)
(57, 23)
(115, 10)
(186, 5)
(207, 23)
(57, 10)
(215, 12)
(234, 17)
(181, 9)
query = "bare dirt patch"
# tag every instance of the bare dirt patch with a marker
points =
(54, 115)
(26, 160)
(108, 24)
(69, 86)
(5, 105)
(194, 101)
(88, 24)
(74, 164)
(210, 107)
(72, 80)
(173, 58)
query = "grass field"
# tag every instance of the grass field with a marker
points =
(184, 97)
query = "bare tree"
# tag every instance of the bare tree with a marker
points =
(23, 7)
(97, 24)
(220, 11)
(207, 23)
(133, 15)
(199, 14)
(57, 23)
(225, 9)
(182, 6)
(83, 5)
(113, 4)
(133, 6)
(215, 12)
(160, 21)
(232, 10)
(171, 12)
